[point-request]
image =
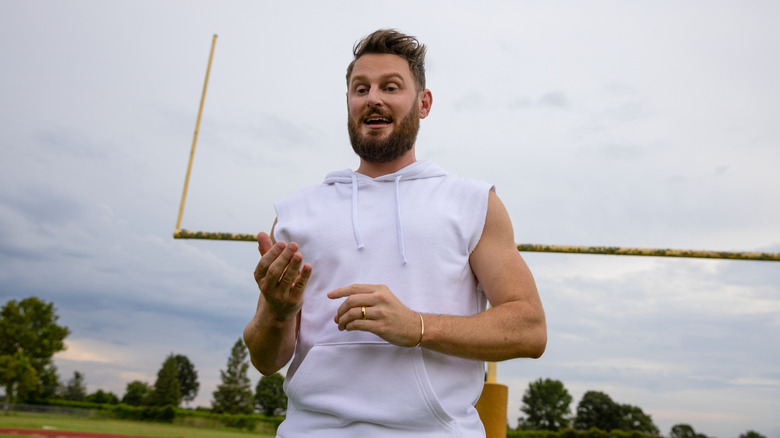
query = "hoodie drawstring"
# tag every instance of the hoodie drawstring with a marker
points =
(355, 225)
(399, 227)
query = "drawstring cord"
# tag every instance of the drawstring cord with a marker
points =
(398, 225)
(355, 225)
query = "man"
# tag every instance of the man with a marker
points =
(386, 323)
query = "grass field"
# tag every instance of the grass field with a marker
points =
(24, 420)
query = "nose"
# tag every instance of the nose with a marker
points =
(373, 97)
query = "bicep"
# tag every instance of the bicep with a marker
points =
(497, 264)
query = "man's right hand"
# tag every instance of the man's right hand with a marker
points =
(271, 335)
(280, 277)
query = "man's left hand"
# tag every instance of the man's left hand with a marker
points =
(374, 308)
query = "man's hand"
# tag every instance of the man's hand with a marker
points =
(270, 335)
(385, 316)
(280, 277)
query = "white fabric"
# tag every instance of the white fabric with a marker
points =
(412, 231)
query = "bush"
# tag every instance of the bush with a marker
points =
(239, 421)
(572, 433)
(170, 414)
(164, 415)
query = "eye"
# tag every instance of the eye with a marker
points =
(361, 89)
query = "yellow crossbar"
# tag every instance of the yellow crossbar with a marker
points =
(530, 247)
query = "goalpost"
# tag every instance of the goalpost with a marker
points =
(492, 405)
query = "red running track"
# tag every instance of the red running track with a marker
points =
(64, 433)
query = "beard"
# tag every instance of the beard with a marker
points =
(377, 150)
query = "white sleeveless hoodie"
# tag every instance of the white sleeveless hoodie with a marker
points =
(413, 231)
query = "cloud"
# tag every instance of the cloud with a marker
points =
(90, 350)
(649, 139)
(554, 99)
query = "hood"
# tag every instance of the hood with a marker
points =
(417, 170)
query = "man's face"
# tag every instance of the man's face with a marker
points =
(383, 108)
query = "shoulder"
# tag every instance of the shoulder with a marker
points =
(467, 201)
(304, 194)
(464, 189)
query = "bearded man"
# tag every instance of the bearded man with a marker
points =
(386, 322)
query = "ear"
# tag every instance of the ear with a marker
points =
(426, 101)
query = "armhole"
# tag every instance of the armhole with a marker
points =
(279, 210)
(273, 230)
(480, 216)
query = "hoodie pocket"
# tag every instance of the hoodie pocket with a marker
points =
(375, 383)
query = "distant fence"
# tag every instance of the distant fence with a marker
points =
(51, 409)
(168, 414)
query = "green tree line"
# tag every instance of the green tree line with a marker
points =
(30, 335)
(546, 406)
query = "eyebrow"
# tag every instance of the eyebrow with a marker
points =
(384, 78)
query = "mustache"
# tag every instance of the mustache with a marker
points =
(375, 112)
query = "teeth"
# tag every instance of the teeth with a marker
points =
(378, 119)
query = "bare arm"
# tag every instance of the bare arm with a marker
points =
(515, 324)
(271, 334)
(514, 327)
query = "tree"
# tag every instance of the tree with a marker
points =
(136, 392)
(270, 398)
(166, 388)
(684, 431)
(188, 378)
(751, 434)
(634, 419)
(75, 389)
(546, 404)
(597, 409)
(234, 395)
(17, 375)
(49, 384)
(101, 397)
(29, 328)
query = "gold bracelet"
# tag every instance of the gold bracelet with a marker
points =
(422, 330)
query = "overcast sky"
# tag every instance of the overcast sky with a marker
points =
(638, 124)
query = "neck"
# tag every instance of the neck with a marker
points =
(375, 170)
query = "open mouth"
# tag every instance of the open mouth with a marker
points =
(377, 121)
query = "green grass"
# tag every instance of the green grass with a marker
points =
(24, 420)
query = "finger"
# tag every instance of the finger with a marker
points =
(279, 265)
(353, 319)
(300, 282)
(264, 242)
(292, 270)
(267, 260)
(355, 302)
(354, 289)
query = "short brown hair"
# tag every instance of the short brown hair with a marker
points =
(390, 41)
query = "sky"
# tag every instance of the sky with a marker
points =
(636, 124)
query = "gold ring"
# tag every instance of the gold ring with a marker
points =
(363, 311)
